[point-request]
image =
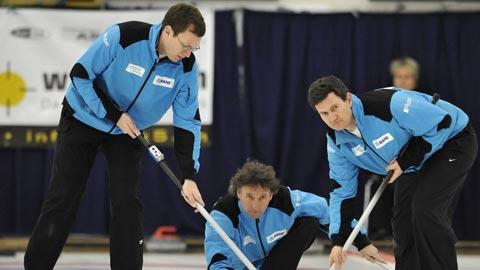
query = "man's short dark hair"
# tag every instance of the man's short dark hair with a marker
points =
(320, 89)
(254, 173)
(181, 16)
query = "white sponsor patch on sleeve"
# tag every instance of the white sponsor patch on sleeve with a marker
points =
(330, 149)
(134, 69)
(164, 81)
(105, 40)
(407, 105)
(276, 235)
(382, 140)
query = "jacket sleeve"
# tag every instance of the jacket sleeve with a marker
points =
(308, 204)
(424, 120)
(92, 63)
(217, 253)
(343, 190)
(186, 121)
(311, 205)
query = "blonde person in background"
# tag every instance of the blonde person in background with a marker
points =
(405, 73)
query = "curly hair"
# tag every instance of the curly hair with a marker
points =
(254, 173)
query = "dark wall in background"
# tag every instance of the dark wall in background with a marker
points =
(269, 118)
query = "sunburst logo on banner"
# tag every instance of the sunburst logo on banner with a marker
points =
(12, 89)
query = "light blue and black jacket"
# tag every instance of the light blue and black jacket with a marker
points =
(387, 120)
(255, 238)
(122, 72)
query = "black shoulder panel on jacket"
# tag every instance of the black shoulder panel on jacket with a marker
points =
(282, 201)
(188, 63)
(331, 133)
(377, 103)
(228, 205)
(79, 71)
(133, 31)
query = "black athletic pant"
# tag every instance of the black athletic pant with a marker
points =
(286, 254)
(424, 206)
(77, 146)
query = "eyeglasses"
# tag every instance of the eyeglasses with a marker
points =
(187, 47)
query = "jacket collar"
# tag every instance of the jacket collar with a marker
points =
(343, 136)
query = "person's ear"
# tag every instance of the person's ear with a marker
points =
(168, 30)
(349, 99)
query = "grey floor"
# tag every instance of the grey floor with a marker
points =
(100, 261)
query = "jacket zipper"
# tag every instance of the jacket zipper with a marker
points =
(368, 146)
(260, 238)
(139, 91)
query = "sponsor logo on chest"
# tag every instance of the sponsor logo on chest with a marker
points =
(134, 69)
(276, 235)
(382, 140)
(164, 81)
(358, 150)
(248, 239)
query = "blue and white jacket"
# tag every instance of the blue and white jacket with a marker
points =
(122, 72)
(255, 238)
(387, 120)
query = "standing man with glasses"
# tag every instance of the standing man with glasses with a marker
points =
(124, 83)
(186, 46)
